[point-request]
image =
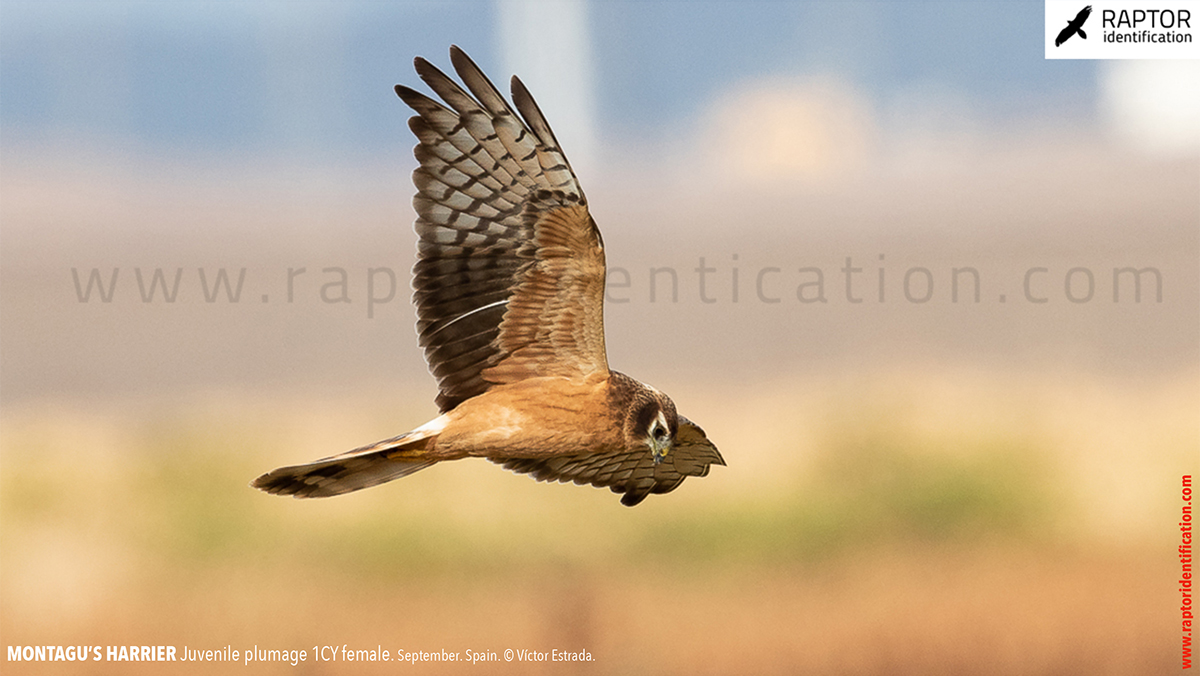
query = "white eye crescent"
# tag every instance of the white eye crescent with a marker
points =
(659, 430)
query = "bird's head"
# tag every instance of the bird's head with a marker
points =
(653, 422)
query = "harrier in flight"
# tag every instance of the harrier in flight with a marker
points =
(509, 289)
(1074, 26)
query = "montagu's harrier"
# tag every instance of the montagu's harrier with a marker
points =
(510, 296)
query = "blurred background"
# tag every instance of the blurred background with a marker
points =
(935, 298)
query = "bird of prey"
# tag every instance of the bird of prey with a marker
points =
(1074, 26)
(509, 289)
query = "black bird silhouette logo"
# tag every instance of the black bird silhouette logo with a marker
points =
(1074, 26)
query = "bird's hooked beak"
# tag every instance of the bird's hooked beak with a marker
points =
(659, 449)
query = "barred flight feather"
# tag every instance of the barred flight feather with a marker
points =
(490, 181)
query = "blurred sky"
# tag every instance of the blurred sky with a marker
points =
(298, 78)
(313, 80)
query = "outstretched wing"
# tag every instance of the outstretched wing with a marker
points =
(509, 280)
(633, 473)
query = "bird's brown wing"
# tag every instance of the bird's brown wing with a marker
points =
(509, 280)
(631, 472)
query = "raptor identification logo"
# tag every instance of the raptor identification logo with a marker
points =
(1122, 29)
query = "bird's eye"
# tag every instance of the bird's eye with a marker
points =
(659, 432)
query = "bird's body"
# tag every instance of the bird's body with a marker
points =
(512, 421)
(509, 288)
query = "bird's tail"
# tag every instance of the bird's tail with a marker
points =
(1082, 34)
(354, 470)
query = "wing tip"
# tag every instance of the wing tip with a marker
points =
(632, 498)
(459, 58)
(404, 92)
